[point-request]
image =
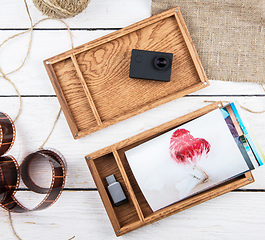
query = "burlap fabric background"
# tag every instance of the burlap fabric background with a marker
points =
(228, 35)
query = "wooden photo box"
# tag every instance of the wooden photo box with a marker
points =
(92, 81)
(136, 212)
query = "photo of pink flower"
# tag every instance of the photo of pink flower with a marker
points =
(184, 148)
(186, 160)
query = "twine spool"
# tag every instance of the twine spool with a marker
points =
(61, 8)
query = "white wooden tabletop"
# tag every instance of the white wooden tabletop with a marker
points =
(79, 211)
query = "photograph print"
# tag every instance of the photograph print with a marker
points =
(184, 161)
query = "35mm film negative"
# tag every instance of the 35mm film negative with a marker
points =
(11, 172)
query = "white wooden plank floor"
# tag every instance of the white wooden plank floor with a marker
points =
(79, 211)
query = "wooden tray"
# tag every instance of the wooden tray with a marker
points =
(136, 212)
(92, 81)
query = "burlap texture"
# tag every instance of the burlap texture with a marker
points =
(228, 35)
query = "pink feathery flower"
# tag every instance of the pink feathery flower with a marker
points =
(184, 148)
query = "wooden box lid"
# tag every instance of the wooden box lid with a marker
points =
(92, 81)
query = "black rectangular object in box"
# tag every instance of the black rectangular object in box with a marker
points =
(151, 65)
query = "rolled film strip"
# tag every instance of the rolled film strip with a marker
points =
(11, 172)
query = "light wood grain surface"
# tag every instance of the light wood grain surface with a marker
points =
(79, 211)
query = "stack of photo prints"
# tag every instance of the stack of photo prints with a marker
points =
(195, 156)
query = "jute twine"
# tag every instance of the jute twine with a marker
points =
(61, 8)
(5, 76)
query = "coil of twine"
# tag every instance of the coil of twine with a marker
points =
(61, 8)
